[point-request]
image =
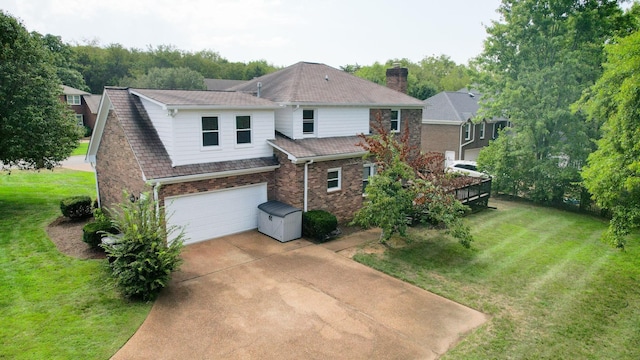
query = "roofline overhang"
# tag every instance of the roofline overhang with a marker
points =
(207, 176)
(318, 158)
(374, 106)
(443, 122)
(203, 106)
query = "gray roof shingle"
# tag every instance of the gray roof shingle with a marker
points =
(455, 106)
(149, 151)
(204, 98)
(312, 83)
(221, 84)
(346, 146)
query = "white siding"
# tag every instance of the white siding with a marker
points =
(333, 121)
(162, 122)
(188, 147)
(284, 121)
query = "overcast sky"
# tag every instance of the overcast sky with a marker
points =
(282, 32)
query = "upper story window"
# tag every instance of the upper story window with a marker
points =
(243, 129)
(482, 128)
(74, 100)
(467, 131)
(308, 121)
(395, 120)
(210, 131)
(334, 179)
(367, 171)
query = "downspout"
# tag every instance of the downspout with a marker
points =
(95, 174)
(156, 186)
(306, 183)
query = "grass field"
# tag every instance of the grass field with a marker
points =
(81, 149)
(553, 290)
(53, 306)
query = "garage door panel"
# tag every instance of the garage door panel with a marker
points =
(218, 213)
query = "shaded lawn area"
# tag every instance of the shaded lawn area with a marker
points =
(53, 306)
(553, 289)
(81, 149)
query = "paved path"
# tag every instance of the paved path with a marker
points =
(76, 163)
(248, 296)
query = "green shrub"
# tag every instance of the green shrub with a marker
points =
(76, 207)
(318, 224)
(93, 232)
(147, 252)
(87, 131)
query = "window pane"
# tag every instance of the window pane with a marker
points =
(243, 122)
(243, 137)
(333, 184)
(394, 114)
(210, 139)
(210, 123)
(307, 127)
(307, 114)
(332, 175)
(394, 125)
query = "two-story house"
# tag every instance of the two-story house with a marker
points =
(83, 104)
(213, 156)
(448, 125)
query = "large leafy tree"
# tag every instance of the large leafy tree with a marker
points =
(613, 171)
(167, 78)
(36, 128)
(536, 62)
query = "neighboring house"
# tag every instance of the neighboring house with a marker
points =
(213, 156)
(447, 125)
(83, 104)
(221, 84)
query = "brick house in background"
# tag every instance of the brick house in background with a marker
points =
(83, 104)
(213, 156)
(447, 125)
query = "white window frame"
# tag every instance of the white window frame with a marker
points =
(482, 129)
(312, 121)
(339, 179)
(372, 171)
(74, 100)
(203, 131)
(250, 130)
(80, 119)
(467, 131)
(391, 120)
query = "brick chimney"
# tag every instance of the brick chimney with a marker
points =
(397, 78)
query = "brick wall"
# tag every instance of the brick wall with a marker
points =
(410, 119)
(342, 203)
(194, 187)
(397, 79)
(440, 138)
(116, 167)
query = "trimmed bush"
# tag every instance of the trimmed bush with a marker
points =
(76, 207)
(93, 232)
(318, 224)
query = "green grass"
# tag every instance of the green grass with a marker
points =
(53, 306)
(552, 288)
(81, 149)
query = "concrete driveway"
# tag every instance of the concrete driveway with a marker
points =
(248, 296)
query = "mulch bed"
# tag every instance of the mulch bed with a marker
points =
(66, 234)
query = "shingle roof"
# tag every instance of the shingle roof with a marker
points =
(346, 146)
(221, 84)
(312, 83)
(187, 98)
(149, 151)
(68, 90)
(455, 106)
(93, 102)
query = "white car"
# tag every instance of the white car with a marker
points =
(465, 167)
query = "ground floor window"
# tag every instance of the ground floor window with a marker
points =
(367, 171)
(334, 179)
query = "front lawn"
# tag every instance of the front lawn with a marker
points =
(53, 306)
(553, 290)
(81, 149)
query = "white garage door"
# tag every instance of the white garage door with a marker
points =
(472, 154)
(217, 213)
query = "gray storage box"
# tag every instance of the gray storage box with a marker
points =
(280, 221)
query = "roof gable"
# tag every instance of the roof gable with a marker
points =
(312, 83)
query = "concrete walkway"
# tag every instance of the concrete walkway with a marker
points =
(76, 163)
(248, 296)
